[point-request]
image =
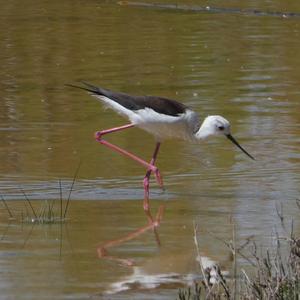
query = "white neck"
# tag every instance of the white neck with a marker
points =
(204, 131)
(202, 134)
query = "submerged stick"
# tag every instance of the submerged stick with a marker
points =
(6, 206)
(27, 199)
(234, 252)
(71, 189)
(60, 198)
(200, 257)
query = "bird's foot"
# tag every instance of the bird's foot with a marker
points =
(98, 135)
(159, 216)
(146, 205)
(159, 179)
(154, 222)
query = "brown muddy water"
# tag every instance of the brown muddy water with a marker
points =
(243, 66)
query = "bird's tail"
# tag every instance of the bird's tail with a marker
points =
(86, 87)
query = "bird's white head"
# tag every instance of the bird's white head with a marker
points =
(215, 126)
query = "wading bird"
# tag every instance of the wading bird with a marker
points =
(164, 118)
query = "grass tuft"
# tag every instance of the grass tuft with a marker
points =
(273, 275)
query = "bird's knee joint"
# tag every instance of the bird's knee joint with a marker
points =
(154, 169)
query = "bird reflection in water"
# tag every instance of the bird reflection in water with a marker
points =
(102, 249)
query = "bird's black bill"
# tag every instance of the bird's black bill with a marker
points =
(230, 137)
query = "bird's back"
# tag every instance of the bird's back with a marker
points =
(161, 105)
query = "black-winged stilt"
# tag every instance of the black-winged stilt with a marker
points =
(163, 118)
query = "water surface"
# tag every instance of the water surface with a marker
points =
(244, 67)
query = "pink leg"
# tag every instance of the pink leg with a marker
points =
(153, 223)
(147, 178)
(98, 134)
(150, 166)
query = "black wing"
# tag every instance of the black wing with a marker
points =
(161, 105)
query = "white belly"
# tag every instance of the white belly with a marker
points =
(164, 126)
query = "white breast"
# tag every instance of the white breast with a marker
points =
(164, 127)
